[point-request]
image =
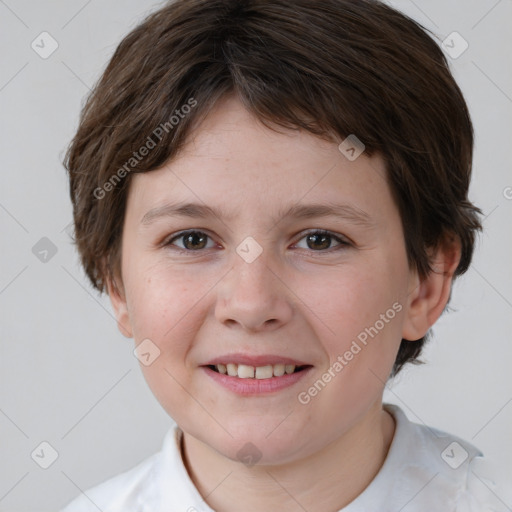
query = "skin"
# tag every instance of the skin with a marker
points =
(296, 300)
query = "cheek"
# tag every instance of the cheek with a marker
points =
(162, 301)
(359, 313)
(165, 308)
(348, 300)
(364, 311)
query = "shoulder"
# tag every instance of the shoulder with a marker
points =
(452, 472)
(486, 490)
(133, 490)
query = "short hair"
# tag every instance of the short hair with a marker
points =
(332, 68)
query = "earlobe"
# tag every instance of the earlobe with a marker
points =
(429, 295)
(118, 300)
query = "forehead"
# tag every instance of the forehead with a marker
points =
(232, 162)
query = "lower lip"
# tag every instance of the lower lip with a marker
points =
(253, 386)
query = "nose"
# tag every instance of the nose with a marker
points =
(253, 297)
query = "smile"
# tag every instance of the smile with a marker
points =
(244, 371)
(266, 375)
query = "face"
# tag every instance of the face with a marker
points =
(274, 252)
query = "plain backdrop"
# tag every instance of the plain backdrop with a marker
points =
(69, 378)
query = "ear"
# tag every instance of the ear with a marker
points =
(429, 295)
(118, 299)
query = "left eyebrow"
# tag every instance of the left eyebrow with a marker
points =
(345, 212)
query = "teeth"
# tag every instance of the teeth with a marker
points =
(244, 371)
(289, 368)
(278, 370)
(264, 372)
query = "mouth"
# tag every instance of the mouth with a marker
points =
(255, 375)
(244, 371)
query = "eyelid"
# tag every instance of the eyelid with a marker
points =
(342, 240)
(167, 242)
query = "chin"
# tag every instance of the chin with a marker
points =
(257, 444)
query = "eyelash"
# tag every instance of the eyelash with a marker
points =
(343, 243)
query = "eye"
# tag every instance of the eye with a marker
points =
(316, 240)
(320, 240)
(191, 241)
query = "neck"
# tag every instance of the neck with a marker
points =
(325, 481)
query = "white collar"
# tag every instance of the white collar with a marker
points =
(413, 463)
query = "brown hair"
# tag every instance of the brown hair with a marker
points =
(331, 67)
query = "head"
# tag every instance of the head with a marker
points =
(240, 108)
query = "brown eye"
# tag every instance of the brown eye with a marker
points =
(191, 240)
(318, 241)
(321, 241)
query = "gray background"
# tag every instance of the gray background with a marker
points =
(69, 378)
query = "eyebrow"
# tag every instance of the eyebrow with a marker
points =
(298, 211)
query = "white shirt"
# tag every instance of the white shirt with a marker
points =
(426, 470)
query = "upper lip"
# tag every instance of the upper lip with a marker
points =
(254, 360)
